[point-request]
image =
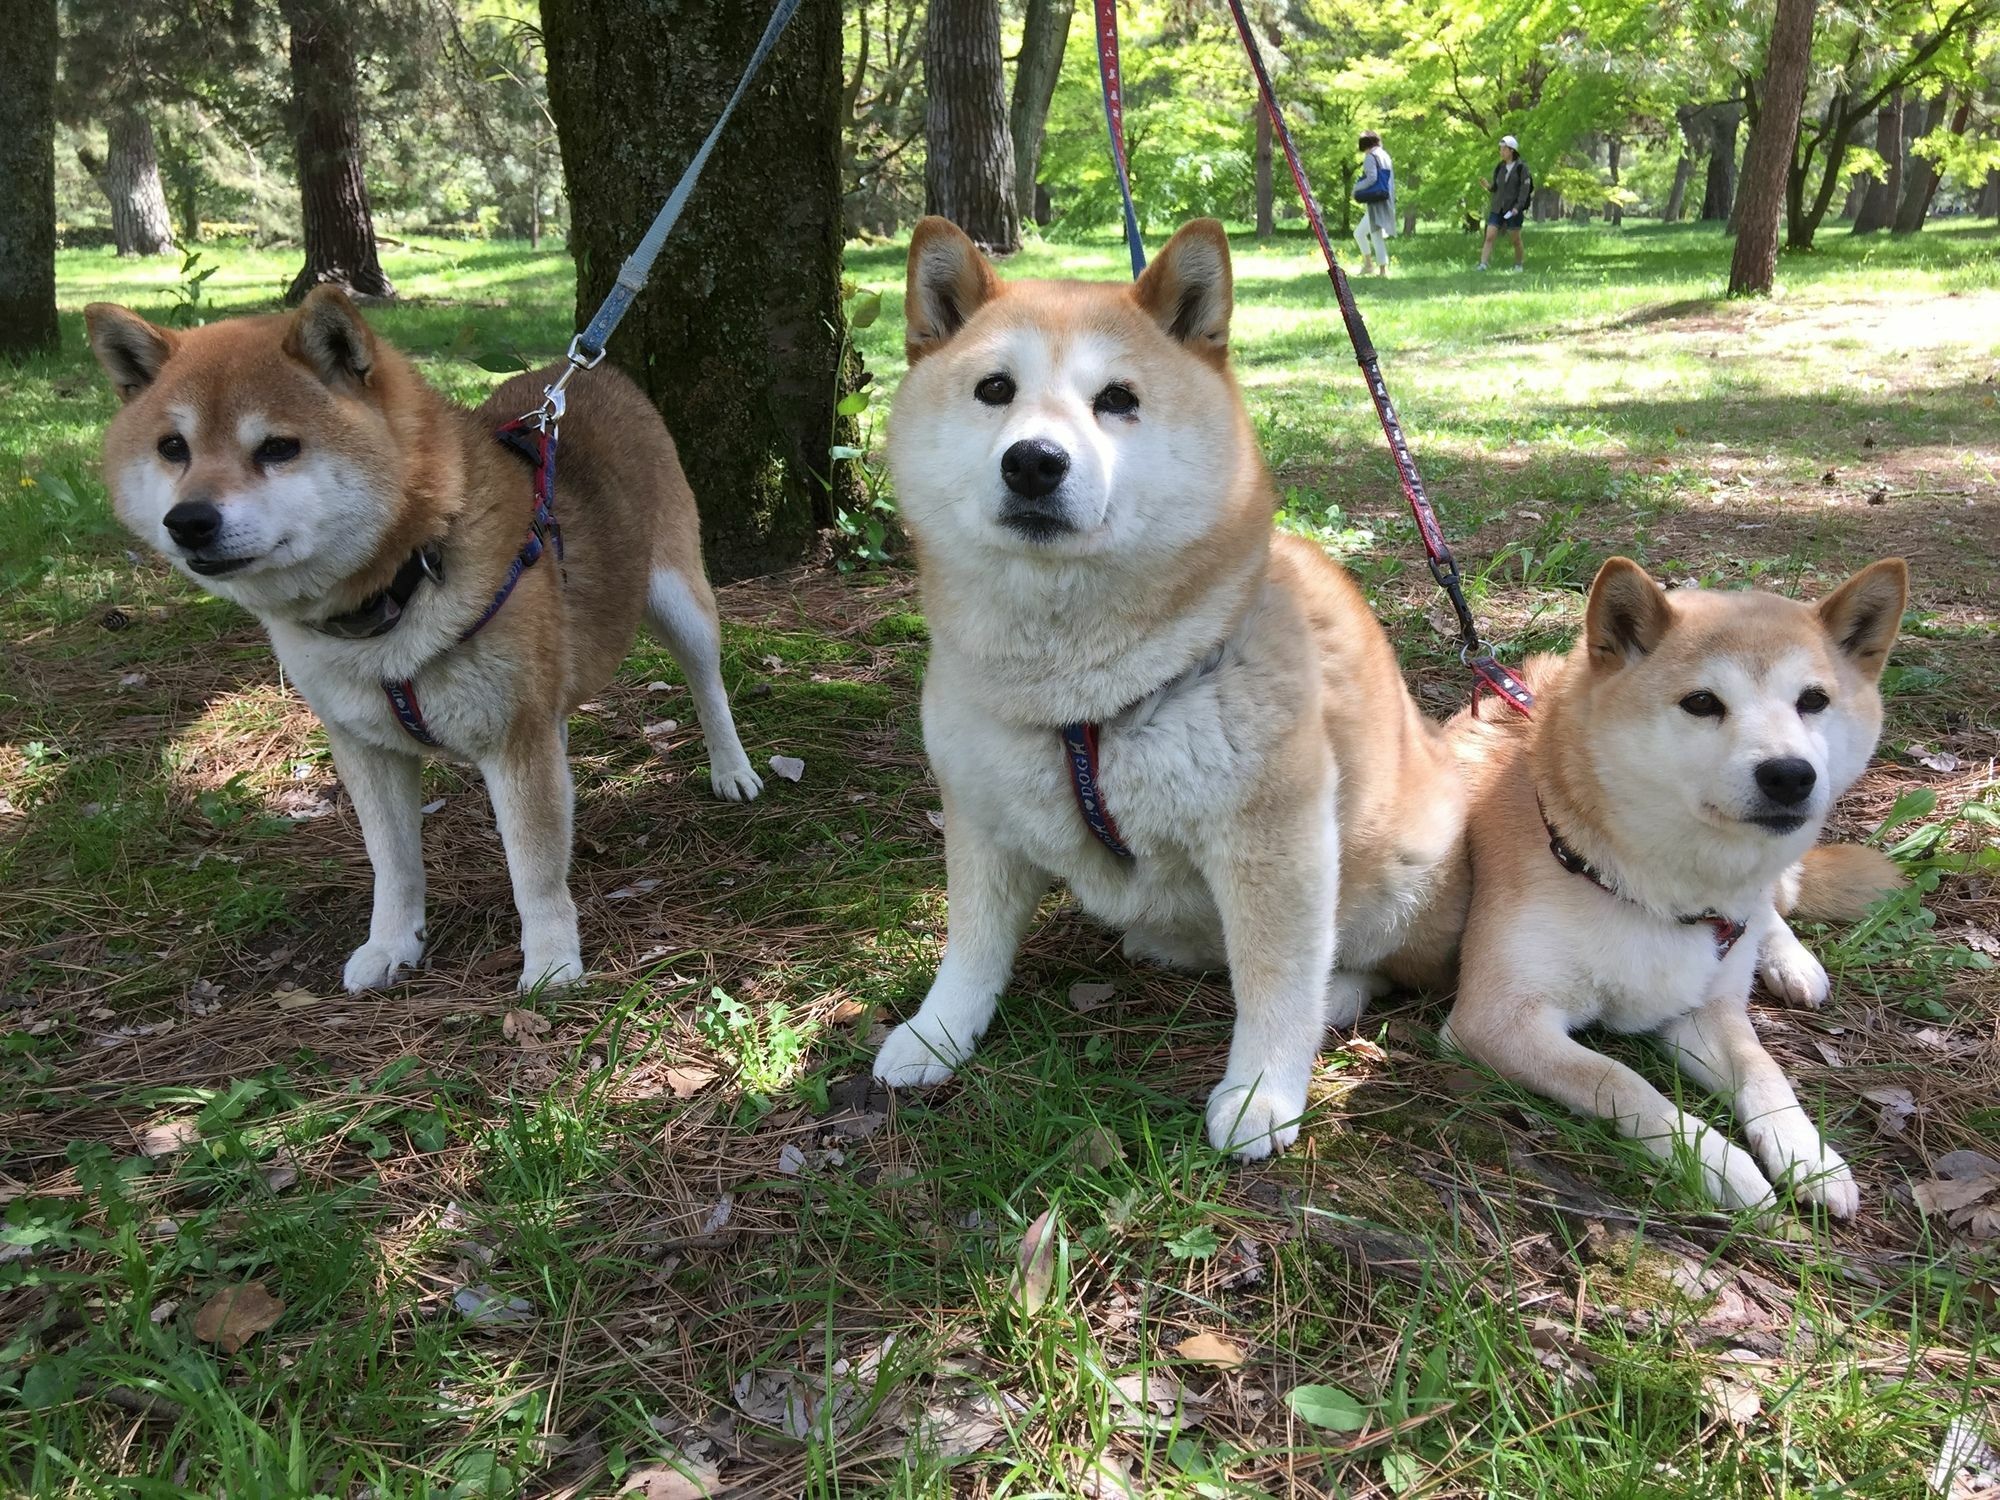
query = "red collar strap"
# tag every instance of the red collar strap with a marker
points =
(1727, 930)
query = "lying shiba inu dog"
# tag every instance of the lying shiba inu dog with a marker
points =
(299, 466)
(1632, 846)
(1134, 687)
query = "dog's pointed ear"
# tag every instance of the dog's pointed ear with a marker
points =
(1627, 616)
(1864, 614)
(330, 337)
(948, 281)
(1188, 289)
(130, 349)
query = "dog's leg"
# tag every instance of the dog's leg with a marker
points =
(684, 615)
(991, 895)
(1527, 1044)
(1277, 907)
(1718, 1047)
(387, 791)
(1785, 965)
(534, 803)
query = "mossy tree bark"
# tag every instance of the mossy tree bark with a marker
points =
(28, 179)
(738, 336)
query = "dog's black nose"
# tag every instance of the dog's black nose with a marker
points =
(194, 524)
(1787, 781)
(1033, 467)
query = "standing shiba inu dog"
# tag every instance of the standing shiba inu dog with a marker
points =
(1631, 848)
(1134, 687)
(299, 466)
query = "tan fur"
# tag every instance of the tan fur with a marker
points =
(1840, 882)
(1292, 812)
(1616, 764)
(430, 472)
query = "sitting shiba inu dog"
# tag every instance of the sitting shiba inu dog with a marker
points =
(298, 466)
(1135, 687)
(1633, 844)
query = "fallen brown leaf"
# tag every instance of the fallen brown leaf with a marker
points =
(1212, 1349)
(166, 1139)
(235, 1315)
(521, 1027)
(1037, 1264)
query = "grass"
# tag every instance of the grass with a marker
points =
(544, 1246)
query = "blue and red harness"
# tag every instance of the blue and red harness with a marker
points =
(535, 441)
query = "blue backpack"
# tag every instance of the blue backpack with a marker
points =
(1380, 189)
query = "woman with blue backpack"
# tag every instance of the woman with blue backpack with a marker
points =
(1375, 191)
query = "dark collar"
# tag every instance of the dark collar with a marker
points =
(379, 613)
(1728, 931)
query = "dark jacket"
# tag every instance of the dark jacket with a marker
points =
(1512, 188)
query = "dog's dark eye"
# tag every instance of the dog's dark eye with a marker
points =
(276, 450)
(1703, 705)
(174, 448)
(995, 390)
(1813, 700)
(1115, 400)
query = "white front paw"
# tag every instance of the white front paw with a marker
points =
(1732, 1177)
(916, 1057)
(1252, 1120)
(551, 969)
(374, 965)
(1808, 1166)
(733, 779)
(1791, 973)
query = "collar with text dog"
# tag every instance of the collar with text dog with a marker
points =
(382, 612)
(1728, 931)
(1080, 742)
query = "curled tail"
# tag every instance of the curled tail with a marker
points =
(1837, 883)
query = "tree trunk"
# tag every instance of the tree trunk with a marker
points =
(969, 161)
(1718, 194)
(1878, 204)
(1677, 194)
(326, 137)
(28, 179)
(1989, 196)
(1044, 35)
(1266, 225)
(738, 337)
(1920, 176)
(1614, 211)
(1837, 134)
(1762, 200)
(140, 223)
(1857, 189)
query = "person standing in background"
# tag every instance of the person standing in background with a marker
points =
(1375, 191)
(1509, 191)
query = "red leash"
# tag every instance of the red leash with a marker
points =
(1487, 671)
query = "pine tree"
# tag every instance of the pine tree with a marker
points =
(1761, 199)
(326, 132)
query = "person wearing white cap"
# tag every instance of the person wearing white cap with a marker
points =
(1510, 189)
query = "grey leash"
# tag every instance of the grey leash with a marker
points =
(586, 350)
